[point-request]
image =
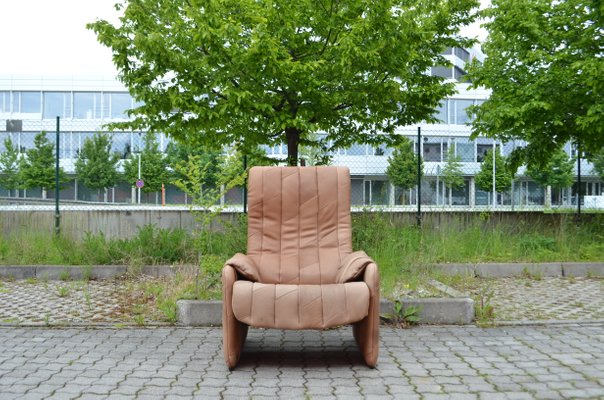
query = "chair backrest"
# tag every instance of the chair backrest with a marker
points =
(299, 226)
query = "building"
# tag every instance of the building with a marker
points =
(86, 104)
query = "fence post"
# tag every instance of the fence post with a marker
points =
(245, 184)
(419, 178)
(57, 189)
(578, 180)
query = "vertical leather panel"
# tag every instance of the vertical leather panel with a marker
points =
(263, 305)
(286, 307)
(333, 309)
(271, 224)
(309, 257)
(344, 221)
(328, 223)
(254, 215)
(290, 226)
(311, 308)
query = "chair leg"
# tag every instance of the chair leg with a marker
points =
(233, 331)
(367, 331)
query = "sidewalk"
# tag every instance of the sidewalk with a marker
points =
(522, 362)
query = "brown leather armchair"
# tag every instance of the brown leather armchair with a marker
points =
(300, 271)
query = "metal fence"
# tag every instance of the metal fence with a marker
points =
(452, 163)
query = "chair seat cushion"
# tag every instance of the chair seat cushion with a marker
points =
(299, 306)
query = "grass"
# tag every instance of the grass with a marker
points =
(404, 253)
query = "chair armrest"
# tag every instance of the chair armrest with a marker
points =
(352, 266)
(245, 266)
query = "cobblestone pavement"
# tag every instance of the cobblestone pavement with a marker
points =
(536, 298)
(520, 362)
(71, 302)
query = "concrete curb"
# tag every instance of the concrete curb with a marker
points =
(505, 270)
(66, 272)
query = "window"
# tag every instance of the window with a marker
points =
(120, 103)
(57, 104)
(377, 192)
(458, 73)
(26, 102)
(465, 151)
(442, 113)
(87, 105)
(443, 72)
(4, 102)
(462, 53)
(482, 149)
(356, 150)
(120, 143)
(432, 150)
(461, 115)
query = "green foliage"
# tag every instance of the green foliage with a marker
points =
(557, 172)
(9, 166)
(38, 166)
(452, 174)
(598, 163)
(96, 166)
(402, 165)
(403, 316)
(503, 176)
(154, 166)
(180, 154)
(544, 66)
(274, 72)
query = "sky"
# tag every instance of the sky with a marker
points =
(42, 37)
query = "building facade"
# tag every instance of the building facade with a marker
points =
(86, 104)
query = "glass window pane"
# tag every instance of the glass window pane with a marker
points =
(461, 116)
(120, 102)
(83, 105)
(441, 112)
(57, 104)
(465, 151)
(432, 151)
(106, 106)
(4, 102)
(380, 191)
(120, 143)
(356, 150)
(30, 102)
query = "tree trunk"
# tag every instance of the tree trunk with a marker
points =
(293, 139)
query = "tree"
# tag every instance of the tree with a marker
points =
(402, 165)
(178, 155)
(9, 166)
(503, 175)
(154, 166)
(96, 166)
(452, 173)
(557, 172)
(598, 163)
(544, 64)
(38, 166)
(269, 72)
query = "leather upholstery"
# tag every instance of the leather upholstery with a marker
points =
(267, 305)
(299, 271)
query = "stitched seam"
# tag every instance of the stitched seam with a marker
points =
(318, 219)
(261, 218)
(281, 228)
(338, 215)
(299, 251)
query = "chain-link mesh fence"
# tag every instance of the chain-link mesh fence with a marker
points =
(458, 173)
